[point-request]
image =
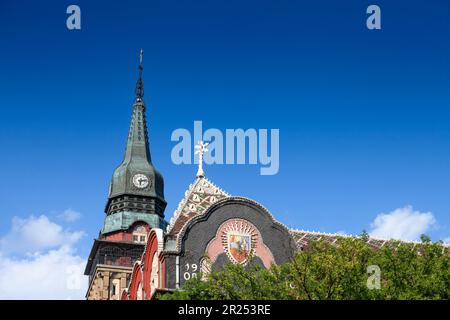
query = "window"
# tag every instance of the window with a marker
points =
(140, 234)
(115, 289)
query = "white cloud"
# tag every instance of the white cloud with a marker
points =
(70, 215)
(33, 234)
(402, 224)
(446, 240)
(38, 260)
(57, 274)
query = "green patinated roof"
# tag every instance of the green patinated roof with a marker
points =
(123, 220)
(137, 160)
(137, 157)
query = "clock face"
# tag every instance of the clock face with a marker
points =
(140, 181)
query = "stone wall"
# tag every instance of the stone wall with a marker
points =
(108, 283)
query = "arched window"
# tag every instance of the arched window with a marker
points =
(139, 234)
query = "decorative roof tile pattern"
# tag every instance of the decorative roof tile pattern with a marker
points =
(200, 196)
(302, 238)
(202, 193)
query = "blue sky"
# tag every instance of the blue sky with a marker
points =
(363, 115)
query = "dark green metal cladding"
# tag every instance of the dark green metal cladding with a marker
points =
(128, 200)
(137, 160)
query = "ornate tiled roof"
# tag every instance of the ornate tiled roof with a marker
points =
(200, 196)
(303, 238)
(202, 193)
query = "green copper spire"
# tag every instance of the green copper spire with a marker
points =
(137, 144)
(137, 188)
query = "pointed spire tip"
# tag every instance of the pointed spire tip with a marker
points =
(140, 82)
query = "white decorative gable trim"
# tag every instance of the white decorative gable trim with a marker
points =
(200, 196)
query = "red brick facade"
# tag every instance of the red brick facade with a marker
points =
(148, 274)
(125, 235)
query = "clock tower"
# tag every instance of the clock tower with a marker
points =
(135, 205)
(136, 190)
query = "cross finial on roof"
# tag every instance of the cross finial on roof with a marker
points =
(200, 149)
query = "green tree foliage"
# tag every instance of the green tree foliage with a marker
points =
(334, 271)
